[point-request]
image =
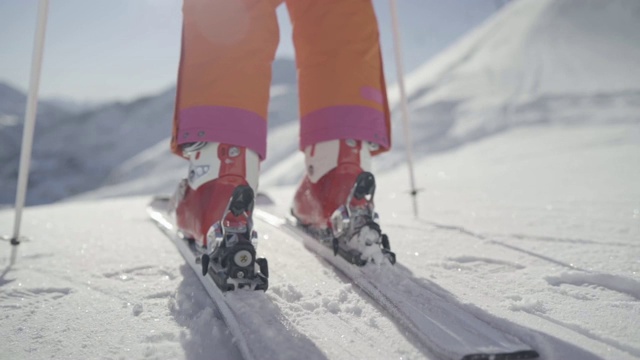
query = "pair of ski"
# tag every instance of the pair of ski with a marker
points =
(445, 329)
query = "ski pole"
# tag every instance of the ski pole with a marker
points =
(30, 118)
(404, 103)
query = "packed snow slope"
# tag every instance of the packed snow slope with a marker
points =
(539, 241)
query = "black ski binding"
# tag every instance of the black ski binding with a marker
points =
(230, 258)
(355, 233)
(357, 236)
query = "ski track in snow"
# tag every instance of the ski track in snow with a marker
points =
(585, 277)
(581, 330)
(475, 259)
(563, 240)
(478, 236)
(582, 278)
(29, 296)
(620, 284)
(625, 286)
(628, 286)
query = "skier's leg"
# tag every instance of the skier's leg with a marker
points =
(341, 83)
(225, 73)
(220, 127)
(344, 120)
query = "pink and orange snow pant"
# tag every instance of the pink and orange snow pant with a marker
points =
(228, 47)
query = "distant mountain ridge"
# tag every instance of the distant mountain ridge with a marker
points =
(74, 152)
(12, 108)
(77, 151)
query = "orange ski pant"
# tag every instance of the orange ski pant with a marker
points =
(224, 77)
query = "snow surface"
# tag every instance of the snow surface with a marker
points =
(540, 241)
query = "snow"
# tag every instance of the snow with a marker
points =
(556, 224)
(557, 266)
(542, 236)
(75, 292)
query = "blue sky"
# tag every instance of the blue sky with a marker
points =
(103, 50)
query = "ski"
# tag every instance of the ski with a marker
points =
(444, 328)
(254, 322)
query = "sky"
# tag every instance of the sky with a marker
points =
(108, 50)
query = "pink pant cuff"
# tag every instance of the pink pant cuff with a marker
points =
(344, 122)
(223, 124)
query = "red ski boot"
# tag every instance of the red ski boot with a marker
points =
(214, 208)
(334, 202)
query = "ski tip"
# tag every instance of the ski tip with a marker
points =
(516, 355)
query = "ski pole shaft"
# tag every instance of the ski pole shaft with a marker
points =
(30, 118)
(404, 105)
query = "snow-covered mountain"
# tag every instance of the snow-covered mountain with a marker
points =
(74, 153)
(427, 27)
(536, 62)
(72, 106)
(12, 107)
